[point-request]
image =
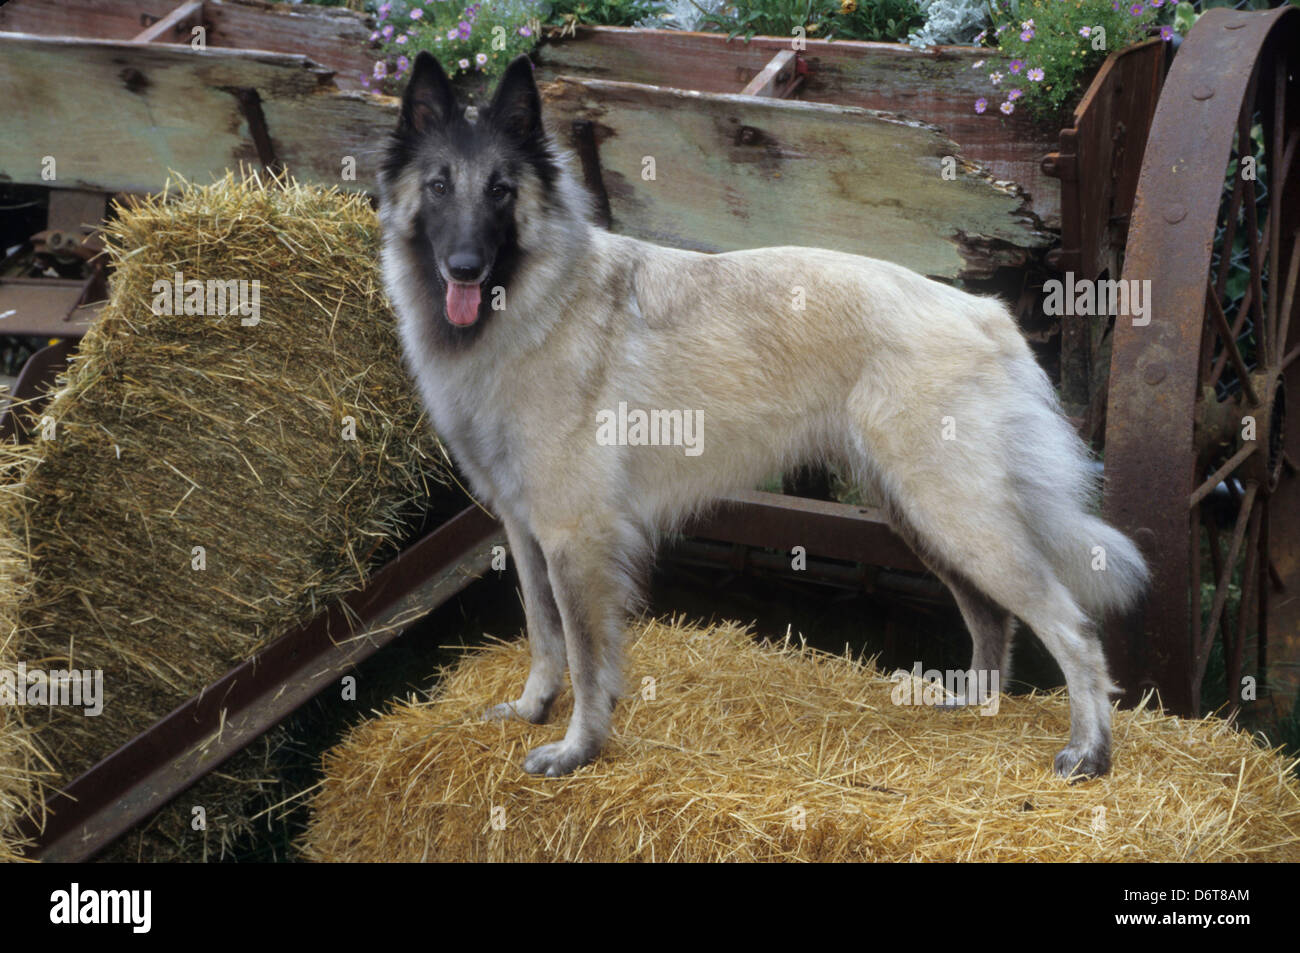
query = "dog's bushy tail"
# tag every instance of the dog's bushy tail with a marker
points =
(1059, 489)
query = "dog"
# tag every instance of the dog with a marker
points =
(530, 331)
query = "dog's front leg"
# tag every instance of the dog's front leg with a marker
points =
(545, 631)
(584, 581)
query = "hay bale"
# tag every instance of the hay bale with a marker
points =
(174, 431)
(780, 752)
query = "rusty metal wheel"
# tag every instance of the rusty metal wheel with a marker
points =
(1203, 424)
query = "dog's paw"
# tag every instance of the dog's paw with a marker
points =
(559, 758)
(521, 708)
(1080, 764)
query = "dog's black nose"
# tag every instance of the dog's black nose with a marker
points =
(465, 266)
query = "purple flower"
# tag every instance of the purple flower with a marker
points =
(1013, 95)
(463, 29)
(981, 104)
(451, 34)
(1166, 33)
(995, 78)
(387, 32)
(524, 31)
(480, 59)
(1135, 9)
(401, 40)
(1035, 75)
(1016, 66)
(977, 64)
(1085, 31)
(979, 37)
(403, 64)
(374, 36)
(463, 64)
(1007, 108)
(381, 69)
(417, 13)
(1026, 36)
(365, 81)
(385, 9)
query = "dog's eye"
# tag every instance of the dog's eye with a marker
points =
(438, 187)
(498, 192)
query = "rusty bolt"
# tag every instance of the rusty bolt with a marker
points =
(748, 135)
(1154, 373)
(1175, 213)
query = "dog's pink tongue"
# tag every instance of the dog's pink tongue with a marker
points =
(462, 303)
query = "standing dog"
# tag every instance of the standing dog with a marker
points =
(530, 332)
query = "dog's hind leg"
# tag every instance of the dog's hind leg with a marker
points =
(991, 629)
(545, 631)
(1001, 563)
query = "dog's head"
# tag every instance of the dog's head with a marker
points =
(459, 192)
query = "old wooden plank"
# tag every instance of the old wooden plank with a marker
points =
(936, 85)
(165, 107)
(778, 78)
(175, 27)
(333, 37)
(93, 19)
(732, 171)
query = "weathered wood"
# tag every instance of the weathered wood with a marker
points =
(175, 27)
(733, 171)
(936, 85)
(778, 78)
(333, 37)
(93, 19)
(161, 108)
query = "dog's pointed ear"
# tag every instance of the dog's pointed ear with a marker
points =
(517, 106)
(429, 101)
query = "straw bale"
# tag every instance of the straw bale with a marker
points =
(746, 751)
(226, 431)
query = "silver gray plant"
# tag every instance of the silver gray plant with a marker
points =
(950, 22)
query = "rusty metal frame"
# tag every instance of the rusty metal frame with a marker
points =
(165, 760)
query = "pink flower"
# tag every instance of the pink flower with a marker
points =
(981, 104)
(1035, 75)
(1007, 108)
(1085, 31)
(417, 13)
(480, 59)
(463, 64)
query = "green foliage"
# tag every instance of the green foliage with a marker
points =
(1044, 51)
(602, 12)
(880, 20)
(467, 39)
